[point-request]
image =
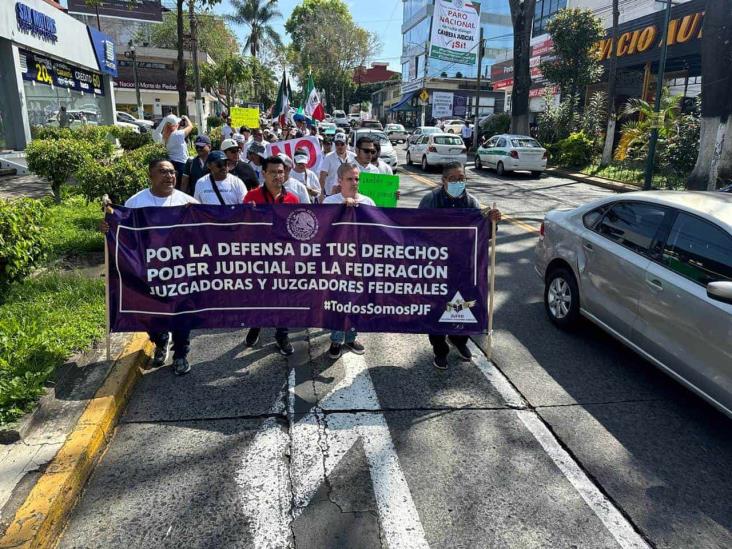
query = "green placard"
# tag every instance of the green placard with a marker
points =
(381, 188)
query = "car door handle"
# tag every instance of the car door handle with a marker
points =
(654, 283)
(587, 246)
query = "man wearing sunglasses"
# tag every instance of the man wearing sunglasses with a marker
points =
(365, 152)
(242, 170)
(195, 168)
(329, 166)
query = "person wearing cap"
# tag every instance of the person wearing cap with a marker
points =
(331, 162)
(365, 152)
(227, 131)
(272, 192)
(380, 165)
(219, 187)
(305, 176)
(195, 167)
(170, 134)
(242, 144)
(348, 183)
(256, 154)
(242, 170)
(293, 185)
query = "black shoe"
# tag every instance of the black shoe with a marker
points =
(252, 337)
(181, 366)
(285, 346)
(356, 347)
(462, 349)
(440, 362)
(160, 356)
(335, 351)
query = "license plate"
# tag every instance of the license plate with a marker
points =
(455, 150)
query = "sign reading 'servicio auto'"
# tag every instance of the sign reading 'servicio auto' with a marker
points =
(455, 31)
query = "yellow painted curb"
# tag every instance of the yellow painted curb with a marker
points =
(43, 515)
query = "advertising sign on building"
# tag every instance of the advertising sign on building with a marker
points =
(138, 10)
(455, 31)
(442, 104)
(42, 70)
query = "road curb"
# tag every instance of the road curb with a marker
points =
(43, 514)
(596, 181)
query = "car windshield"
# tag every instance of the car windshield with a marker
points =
(431, 130)
(395, 127)
(525, 142)
(448, 140)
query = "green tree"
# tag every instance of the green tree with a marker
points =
(258, 15)
(575, 63)
(225, 78)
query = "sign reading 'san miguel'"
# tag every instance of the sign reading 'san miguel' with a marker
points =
(639, 41)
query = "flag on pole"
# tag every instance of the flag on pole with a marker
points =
(313, 105)
(282, 106)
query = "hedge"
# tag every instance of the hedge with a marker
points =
(22, 243)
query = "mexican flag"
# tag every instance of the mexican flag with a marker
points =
(282, 106)
(313, 105)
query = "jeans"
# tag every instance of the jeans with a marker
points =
(179, 167)
(337, 336)
(440, 346)
(181, 342)
(280, 333)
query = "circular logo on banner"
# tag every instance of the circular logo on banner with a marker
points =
(302, 224)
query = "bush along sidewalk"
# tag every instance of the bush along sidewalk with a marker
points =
(49, 307)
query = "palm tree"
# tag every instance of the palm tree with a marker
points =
(636, 131)
(258, 16)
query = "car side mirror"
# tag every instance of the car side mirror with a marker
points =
(720, 291)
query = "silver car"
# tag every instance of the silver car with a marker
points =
(654, 269)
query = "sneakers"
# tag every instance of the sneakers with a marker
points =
(440, 362)
(283, 345)
(335, 351)
(462, 349)
(356, 347)
(160, 356)
(181, 366)
(252, 337)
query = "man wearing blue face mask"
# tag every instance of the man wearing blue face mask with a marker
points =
(453, 194)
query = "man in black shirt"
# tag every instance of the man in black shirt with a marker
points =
(240, 169)
(196, 168)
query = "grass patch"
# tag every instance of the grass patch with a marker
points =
(43, 321)
(634, 175)
(72, 228)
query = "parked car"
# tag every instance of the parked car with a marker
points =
(507, 153)
(143, 125)
(354, 117)
(437, 149)
(454, 125)
(83, 118)
(388, 153)
(374, 124)
(396, 133)
(340, 119)
(653, 269)
(327, 128)
(420, 131)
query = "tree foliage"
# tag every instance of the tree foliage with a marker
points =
(258, 15)
(575, 63)
(329, 44)
(238, 78)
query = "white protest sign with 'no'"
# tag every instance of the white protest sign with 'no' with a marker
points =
(309, 143)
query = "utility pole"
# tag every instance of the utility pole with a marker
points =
(133, 55)
(196, 73)
(424, 85)
(648, 181)
(477, 90)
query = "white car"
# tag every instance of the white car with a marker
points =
(354, 117)
(454, 125)
(388, 154)
(396, 133)
(421, 131)
(437, 149)
(129, 119)
(340, 119)
(507, 153)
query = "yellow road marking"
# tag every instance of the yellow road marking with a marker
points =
(512, 220)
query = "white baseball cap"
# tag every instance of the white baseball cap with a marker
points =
(229, 144)
(340, 137)
(301, 158)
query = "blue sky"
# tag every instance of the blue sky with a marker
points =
(384, 17)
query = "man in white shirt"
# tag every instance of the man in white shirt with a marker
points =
(293, 185)
(329, 168)
(349, 195)
(219, 187)
(466, 132)
(305, 176)
(162, 193)
(377, 162)
(227, 131)
(365, 152)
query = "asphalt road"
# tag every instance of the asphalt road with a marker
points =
(565, 440)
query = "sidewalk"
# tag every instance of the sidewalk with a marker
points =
(30, 186)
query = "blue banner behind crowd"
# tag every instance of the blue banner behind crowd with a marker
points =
(378, 270)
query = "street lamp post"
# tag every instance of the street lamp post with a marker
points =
(648, 180)
(133, 55)
(196, 73)
(477, 91)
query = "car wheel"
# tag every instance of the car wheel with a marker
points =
(499, 169)
(536, 173)
(478, 163)
(425, 165)
(409, 159)
(561, 298)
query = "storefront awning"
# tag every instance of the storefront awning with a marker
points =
(404, 103)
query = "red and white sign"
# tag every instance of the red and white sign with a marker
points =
(309, 143)
(539, 92)
(542, 48)
(502, 84)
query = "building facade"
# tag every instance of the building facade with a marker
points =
(48, 60)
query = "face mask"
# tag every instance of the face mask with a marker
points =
(455, 188)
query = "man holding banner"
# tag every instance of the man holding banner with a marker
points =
(453, 194)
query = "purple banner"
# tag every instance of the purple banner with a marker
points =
(377, 270)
